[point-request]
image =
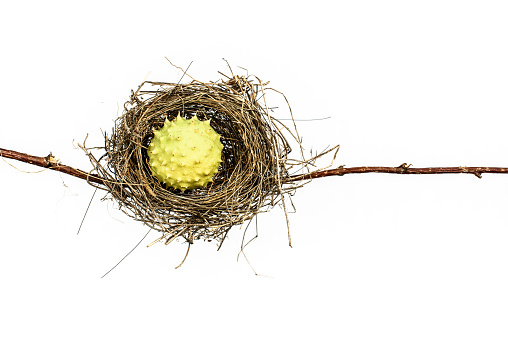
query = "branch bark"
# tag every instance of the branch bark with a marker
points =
(50, 162)
(402, 169)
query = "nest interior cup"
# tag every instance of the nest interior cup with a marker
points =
(250, 175)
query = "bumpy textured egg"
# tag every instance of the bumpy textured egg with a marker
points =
(185, 153)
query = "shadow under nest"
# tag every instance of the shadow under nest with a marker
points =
(253, 175)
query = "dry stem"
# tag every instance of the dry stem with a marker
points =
(49, 162)
(402, 169)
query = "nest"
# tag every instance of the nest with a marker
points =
(253, 176)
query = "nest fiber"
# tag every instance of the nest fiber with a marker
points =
(252, 176)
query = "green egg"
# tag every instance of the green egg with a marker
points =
(185, 153)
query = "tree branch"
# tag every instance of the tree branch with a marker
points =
(402, 169)
(50, 162)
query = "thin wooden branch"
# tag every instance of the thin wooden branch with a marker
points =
(402, 169)
(50, 162)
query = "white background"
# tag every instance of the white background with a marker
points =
(374, 255)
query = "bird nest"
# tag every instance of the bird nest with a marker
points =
(253, 175)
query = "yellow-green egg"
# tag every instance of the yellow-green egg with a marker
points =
(185, 153)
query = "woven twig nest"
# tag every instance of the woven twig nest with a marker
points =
(253, 175)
